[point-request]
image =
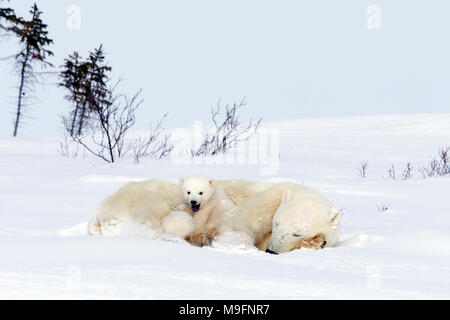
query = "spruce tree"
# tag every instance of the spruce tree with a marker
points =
(73, 77)
(34, 41)
(86, 82)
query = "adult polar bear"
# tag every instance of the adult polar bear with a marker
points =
(145, 201)
(279, 218)
(285, 215)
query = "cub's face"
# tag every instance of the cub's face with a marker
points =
(197, 191)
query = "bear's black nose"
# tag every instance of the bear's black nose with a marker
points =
(193, 202)
(270, 251)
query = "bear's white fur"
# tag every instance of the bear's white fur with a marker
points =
(303, 214)
(239, 190)
(283, 222)
(208, 201)
(271, 214)
(179, 223)
(147, 201)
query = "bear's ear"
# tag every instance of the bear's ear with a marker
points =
(287, 195)
(334, 216)
(181, 180)
(211, 182)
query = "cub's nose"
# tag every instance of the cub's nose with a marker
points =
(270, 251)
(193, 202)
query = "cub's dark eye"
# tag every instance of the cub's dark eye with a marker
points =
(200, 193)
(188, 192)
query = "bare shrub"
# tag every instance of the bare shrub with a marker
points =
(362, 170)
(430, 169)
(391, 173)
(407, 173)
(439, 166)
(66, 148)
(444, 159)
(228, 131)
(105, 133)
(384, 208)
(154, 145)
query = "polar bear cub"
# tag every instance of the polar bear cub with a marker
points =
(207, 202)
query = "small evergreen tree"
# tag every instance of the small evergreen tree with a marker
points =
(72, 78)
(96, 85)
(34, 40)
(101, 118)
(86, 82)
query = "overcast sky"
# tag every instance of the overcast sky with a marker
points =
(291, 59)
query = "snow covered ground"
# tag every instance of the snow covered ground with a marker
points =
(46, 200)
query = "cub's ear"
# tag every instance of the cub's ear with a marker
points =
(211, 181)
(287, 195)
(181, 180)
